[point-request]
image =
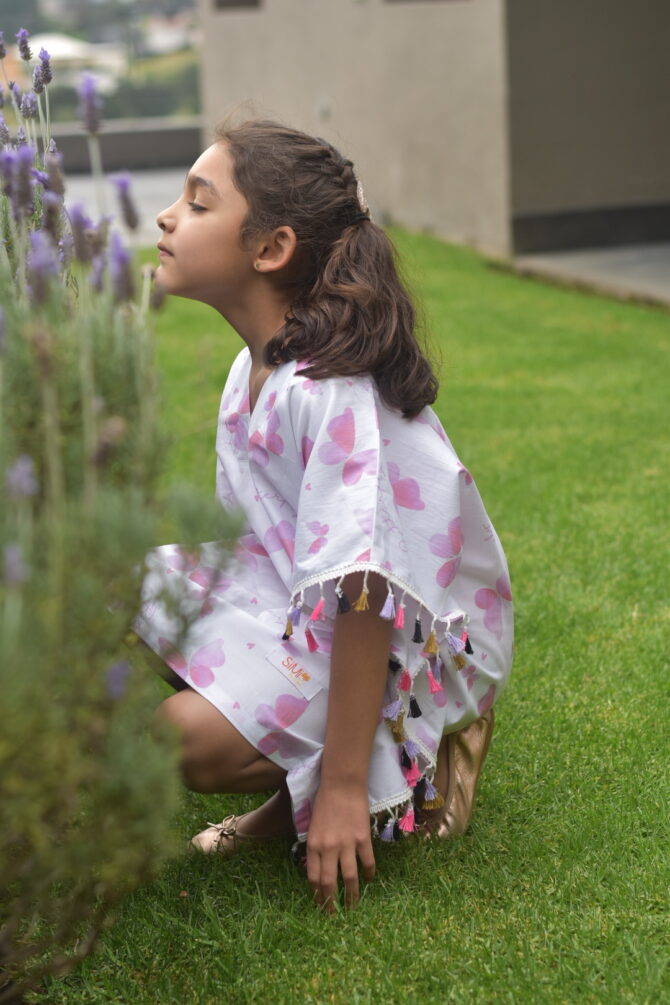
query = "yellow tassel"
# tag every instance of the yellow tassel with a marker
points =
(431, 645)
(460, 661)
(433, 804)
(397, 732)
(362, 602)
(288, 631)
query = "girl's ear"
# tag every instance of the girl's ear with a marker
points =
(276, 251)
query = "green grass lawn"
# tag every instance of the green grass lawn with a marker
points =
(558, 403)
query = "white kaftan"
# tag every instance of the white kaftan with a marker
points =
(332, 481)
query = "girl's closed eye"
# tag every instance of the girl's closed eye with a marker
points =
(197, 208)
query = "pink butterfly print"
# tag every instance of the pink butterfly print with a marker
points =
(307, 446)
(321, 532)
(342, 432)
(270, 403)
(302, 816)
(362, 463)
(286, 710)
(311, 386)
(491, 602)
(364, 556)
(462, 470)
(273, 440)
(257, 452)
(406, 491)
(485, 702)
(470, 674)
(236, 426)
(202, 661)
(365, 520)
(449, 546)
(284, 744)
(211, 579)
(245, 403)
(181, 560)
(281, 536)
(251, 543)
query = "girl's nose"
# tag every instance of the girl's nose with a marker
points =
(164, 218)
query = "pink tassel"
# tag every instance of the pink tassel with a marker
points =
(317, 613)
(400, 617)
(407, 822)
(405, 682)
(433, 684)
(312, 644)
(388, 610)
(412, 775)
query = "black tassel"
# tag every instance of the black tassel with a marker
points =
(417, 637)
(394, 664)
(419, 792)
(343, 605)
(396, 831)
(405, 759)
(468, 647)
(414, 710)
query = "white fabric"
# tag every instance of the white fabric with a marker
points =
(330, 481)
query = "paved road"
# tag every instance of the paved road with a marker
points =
(152, 191)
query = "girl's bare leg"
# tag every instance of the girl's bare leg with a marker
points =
(217, 758)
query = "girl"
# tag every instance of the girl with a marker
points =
(350, 657)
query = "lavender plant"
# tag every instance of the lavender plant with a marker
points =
(87, 789)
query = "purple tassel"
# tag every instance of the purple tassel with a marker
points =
(388, 610)
(388, 833)
(393, 710)
(455, 645)
(411, 748)
(294, 615)
(414, 709)
(430, 792)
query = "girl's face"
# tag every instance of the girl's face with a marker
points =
(200, 253)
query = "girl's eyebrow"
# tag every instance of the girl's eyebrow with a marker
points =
(195, 181)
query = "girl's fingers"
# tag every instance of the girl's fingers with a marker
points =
(349, 867)
(367, 857)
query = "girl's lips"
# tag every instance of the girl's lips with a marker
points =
(162, 251)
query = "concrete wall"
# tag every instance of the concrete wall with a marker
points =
(132, 144)
(414, 92)
(589, 106)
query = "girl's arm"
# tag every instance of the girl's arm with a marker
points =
(340, 826)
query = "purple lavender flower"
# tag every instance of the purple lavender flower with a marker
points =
(42, 265)
(45, 60)
(126, 202)
(65, 249)
(22, 42)
(120, 271)
(3, 50)
(53, 162)
(22, 202)
(116, 679)
(21, 140)
(97, 277)
(81, 226)
(16, 571)
(29, 105)
(90, 105)
(5, 137)
(20, 478)
(52, 214)
(38, 79)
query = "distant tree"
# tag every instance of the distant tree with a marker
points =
(25, 14)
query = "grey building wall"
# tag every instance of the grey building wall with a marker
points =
(414, 92)
(589, 114)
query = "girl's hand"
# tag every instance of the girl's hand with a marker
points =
(339, 833)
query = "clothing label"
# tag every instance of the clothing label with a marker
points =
(286, 659)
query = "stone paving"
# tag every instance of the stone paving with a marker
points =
(640, 272)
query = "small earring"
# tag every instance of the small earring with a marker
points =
(257, 265)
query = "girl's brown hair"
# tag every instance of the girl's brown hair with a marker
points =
(350, 313)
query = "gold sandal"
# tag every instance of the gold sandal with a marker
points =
(225, 839)
(466, 752)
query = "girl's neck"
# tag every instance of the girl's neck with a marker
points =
(257, 324)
